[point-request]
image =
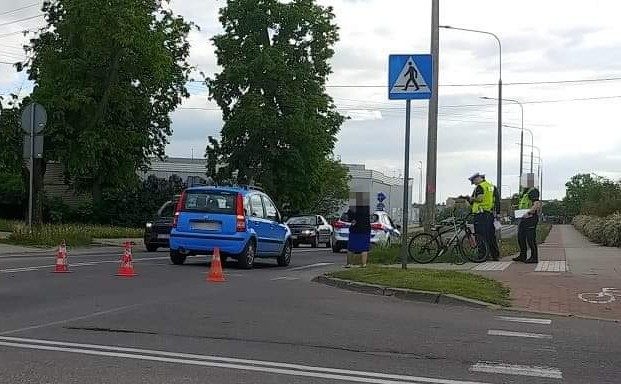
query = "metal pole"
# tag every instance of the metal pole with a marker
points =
(432, 129)
(31, 181)
(420, 184)
(406, 179)
(532, 145)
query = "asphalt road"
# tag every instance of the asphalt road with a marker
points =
(270, 325)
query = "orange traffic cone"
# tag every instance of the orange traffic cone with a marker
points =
(126, 269)
(61, 259)
(215, 272)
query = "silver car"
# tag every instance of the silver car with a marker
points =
(383, 231)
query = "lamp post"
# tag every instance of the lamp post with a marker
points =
(499, 150)
(420, 184)
(521, 135)
(539, 157)
(532, 142)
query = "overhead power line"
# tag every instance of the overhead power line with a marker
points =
(20, 20)
(18, 9)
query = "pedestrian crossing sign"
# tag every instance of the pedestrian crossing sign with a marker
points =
(410, 76)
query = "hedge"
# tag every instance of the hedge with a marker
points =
(601, 230)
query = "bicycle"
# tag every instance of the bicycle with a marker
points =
(607, 295)
(425, 247)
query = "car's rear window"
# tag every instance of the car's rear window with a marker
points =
(374, 218)
(302, 220)
(210, 202)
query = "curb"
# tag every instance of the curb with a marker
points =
(561, 314)
(403, 293)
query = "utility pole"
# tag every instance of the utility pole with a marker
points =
(432, 129)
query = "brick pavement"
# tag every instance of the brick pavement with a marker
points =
(595, 268)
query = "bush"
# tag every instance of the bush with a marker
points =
(605, 231)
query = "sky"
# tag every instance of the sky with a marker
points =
(574, 125)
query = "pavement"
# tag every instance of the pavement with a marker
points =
(570, 273)
(270, 325)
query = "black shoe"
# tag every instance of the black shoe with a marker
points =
(531, 261)
(518, 259)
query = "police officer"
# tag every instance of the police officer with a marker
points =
(527, 228)
(483, 204)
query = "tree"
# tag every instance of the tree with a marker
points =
(280, 126)
(108, 73)
(592, 195)
(12, 188)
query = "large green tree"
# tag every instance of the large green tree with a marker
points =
(109, 72)
(280, 125)
(592, 195)
(12, 188)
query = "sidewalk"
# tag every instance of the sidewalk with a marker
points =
(569, 265)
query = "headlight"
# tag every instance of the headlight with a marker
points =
(149, 225)
(308, 232)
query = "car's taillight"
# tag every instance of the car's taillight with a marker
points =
(240, 217)
(377, 227)
(178, 209)
(339, 224)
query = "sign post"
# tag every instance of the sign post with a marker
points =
(409, 77)
(33, 121)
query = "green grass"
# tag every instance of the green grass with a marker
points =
(450, 282)
(7, 225)
(50, 235)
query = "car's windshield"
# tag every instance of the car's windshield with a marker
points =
(302, 220)
(210, 202)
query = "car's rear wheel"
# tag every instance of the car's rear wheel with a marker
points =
(335, 247)
(285, 257)
(151, 247)
(315, 242)
(246, 259)
(329, 243)
(176, 257)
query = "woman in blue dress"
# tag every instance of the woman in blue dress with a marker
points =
(360, 230)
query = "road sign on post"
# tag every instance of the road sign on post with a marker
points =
(33, 121)
(409, 77)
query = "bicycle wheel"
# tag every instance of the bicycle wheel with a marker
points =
(472, 247)
(423, 248)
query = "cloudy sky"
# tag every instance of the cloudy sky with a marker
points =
(575, 124)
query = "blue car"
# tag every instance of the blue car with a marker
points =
(242, 222)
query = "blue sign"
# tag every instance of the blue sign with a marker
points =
(410, 77)
(381, 197)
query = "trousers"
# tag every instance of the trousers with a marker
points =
(484, 226)
(527, 237)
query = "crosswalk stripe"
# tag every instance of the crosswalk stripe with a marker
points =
(524, 320)
(522, 370)
(551, 266)
(496, 332)
(493, 266)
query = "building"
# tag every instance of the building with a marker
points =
(191, 171)
(374, 182)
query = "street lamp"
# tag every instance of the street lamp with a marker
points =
(539, 157)
(499, 154)
(532, 142)
(420, 185)
(521, 135)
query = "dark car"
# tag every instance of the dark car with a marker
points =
(157, 231)
(310, 229)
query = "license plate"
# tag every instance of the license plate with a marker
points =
(206, 226)
(163, 236)
(294, 237)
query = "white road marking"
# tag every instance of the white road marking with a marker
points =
(495, 332)
(522, 370)
(551, 266)
(310, 266)
(493, 266)
(524, 320)
(224, 362)
(285, 278)
(38, 267)
(90, 315)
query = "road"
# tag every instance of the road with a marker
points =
(270, 325)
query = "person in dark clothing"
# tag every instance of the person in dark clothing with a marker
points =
(359, 215)
(527, 227)
(483, 207)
